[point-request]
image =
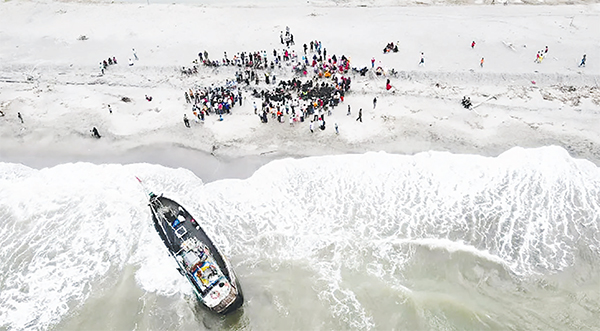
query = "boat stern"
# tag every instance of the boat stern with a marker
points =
(223, 298)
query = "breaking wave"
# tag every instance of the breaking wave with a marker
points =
(67, 232)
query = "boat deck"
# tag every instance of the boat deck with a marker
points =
(181, 230)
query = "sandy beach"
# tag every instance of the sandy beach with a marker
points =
(49, 73)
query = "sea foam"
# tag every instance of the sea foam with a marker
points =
(67, 231)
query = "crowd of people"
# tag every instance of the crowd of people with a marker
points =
(217, 100)
(105, 63)
(318, 85)
(466, 102)
(391, 48)
(319, 82)
(298, 100)
(288, 39)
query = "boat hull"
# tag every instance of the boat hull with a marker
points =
(196, 255)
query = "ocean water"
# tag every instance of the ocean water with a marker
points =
(372, 241)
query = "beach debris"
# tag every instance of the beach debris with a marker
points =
(509, 45)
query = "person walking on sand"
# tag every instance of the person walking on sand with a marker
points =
(336, 129)
(374, 102)
(348, 114)
(422, 62)
(481, 62)
(134, 54)
(311, 127)
(186, 121)
(359, 118)
(473, 44)
(20, 117)
(109, 110)
(372, 63)
(582, 64)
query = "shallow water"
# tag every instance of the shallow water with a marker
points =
(208, 167)
(373, 241)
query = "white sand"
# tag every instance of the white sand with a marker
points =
(52, 78)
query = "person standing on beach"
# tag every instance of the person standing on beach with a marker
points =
(95, 133)
(372, 63)
(109, 110)
(359, 118)
(582, 64)
(336, 129)
(134, 54)
(20, 117)
(422, 62)
(481, 62)
(348, 111)
(473, 44)
(374, 102)
(186, 121)
(311, 127)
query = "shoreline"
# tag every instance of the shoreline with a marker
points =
(205, 166)
(226, 163)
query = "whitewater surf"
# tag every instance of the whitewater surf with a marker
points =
(370, 241)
